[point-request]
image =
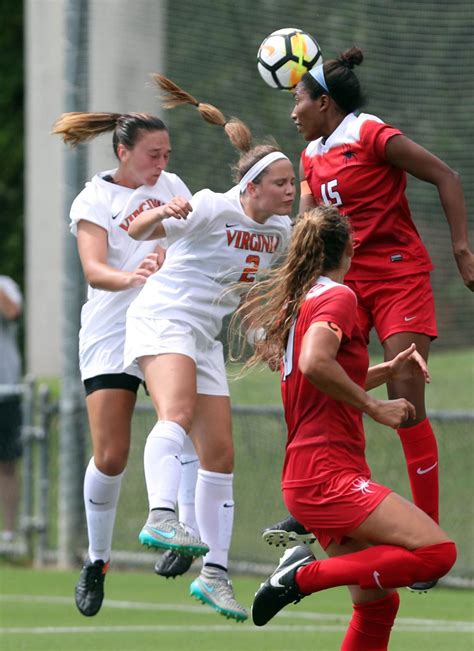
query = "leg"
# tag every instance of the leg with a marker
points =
(187, 488)
(408, 547)
(212, 435)
(374, 610)
(212, 432)
(10, 453)
(171, 564)
(110, 413)
(10, 492)
(417, 437)
(171, 380)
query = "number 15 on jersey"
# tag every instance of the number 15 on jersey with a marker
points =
(329, 193)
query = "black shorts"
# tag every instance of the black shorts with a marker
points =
(10, 429)
(112, 381)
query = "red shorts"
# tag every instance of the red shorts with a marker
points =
(334, 508)
(395, 305)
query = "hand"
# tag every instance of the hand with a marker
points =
(391, 412)
(148, 266)
(178, 208)
(161, 253)
(408, 364)
(465, 262)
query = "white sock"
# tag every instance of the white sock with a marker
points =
(161, 462)
(101, 495)
(215, 514)
(187, 491)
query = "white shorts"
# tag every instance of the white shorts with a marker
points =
(159, 336)
(104, 355)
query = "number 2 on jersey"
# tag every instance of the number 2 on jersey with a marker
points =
(329, 194)
(249, 272)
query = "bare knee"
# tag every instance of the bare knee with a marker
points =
(221, 460)
(111, 459)
(182, 417)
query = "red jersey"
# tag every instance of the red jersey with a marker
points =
(350, 170)
(325, 436)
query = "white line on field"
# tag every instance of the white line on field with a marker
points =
(403, 624)
(215, 628)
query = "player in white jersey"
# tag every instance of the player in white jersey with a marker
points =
(116, 267)
(213, 257)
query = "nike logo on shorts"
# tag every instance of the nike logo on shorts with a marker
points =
(423, 471)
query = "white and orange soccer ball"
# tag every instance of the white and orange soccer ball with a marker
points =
(285, 56)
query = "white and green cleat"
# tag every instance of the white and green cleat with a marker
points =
(213, 588)
(168, 533)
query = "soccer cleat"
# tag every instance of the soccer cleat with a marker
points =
(280, 588)
(89, 592)
(286, 531)
(170, 564)
(213, 587)
(168, 533)
(422, 586)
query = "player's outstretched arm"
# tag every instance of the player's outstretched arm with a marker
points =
(148, 224)
(414, 159)
(406, 365)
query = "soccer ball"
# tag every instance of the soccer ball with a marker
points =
(285, 56)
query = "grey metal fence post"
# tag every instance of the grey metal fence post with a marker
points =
(43, 478)
(71, 444)
(27, 516)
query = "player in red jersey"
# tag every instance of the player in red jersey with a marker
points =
(359, 164)
(376, 540)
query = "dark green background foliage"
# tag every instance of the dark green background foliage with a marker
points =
(11, 140)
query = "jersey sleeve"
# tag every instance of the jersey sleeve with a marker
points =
(376, 134)
(338, 305)
(198, 221)
(89, 207)
(179, 187)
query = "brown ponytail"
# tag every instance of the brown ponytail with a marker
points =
(237, 131)
(317, 244)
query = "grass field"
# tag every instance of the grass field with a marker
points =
(142, 612)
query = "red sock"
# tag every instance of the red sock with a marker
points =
(421, 455)
(371, 625)
(381, 566)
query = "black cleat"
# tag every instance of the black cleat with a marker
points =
(89, 590)
(286, 531)
(170, 564)
(422, 586)
(280, 589)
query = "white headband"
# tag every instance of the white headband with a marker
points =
(258, 168)
(317, 73)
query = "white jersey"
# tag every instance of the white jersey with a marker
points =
(215, 248)
(113, 207)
